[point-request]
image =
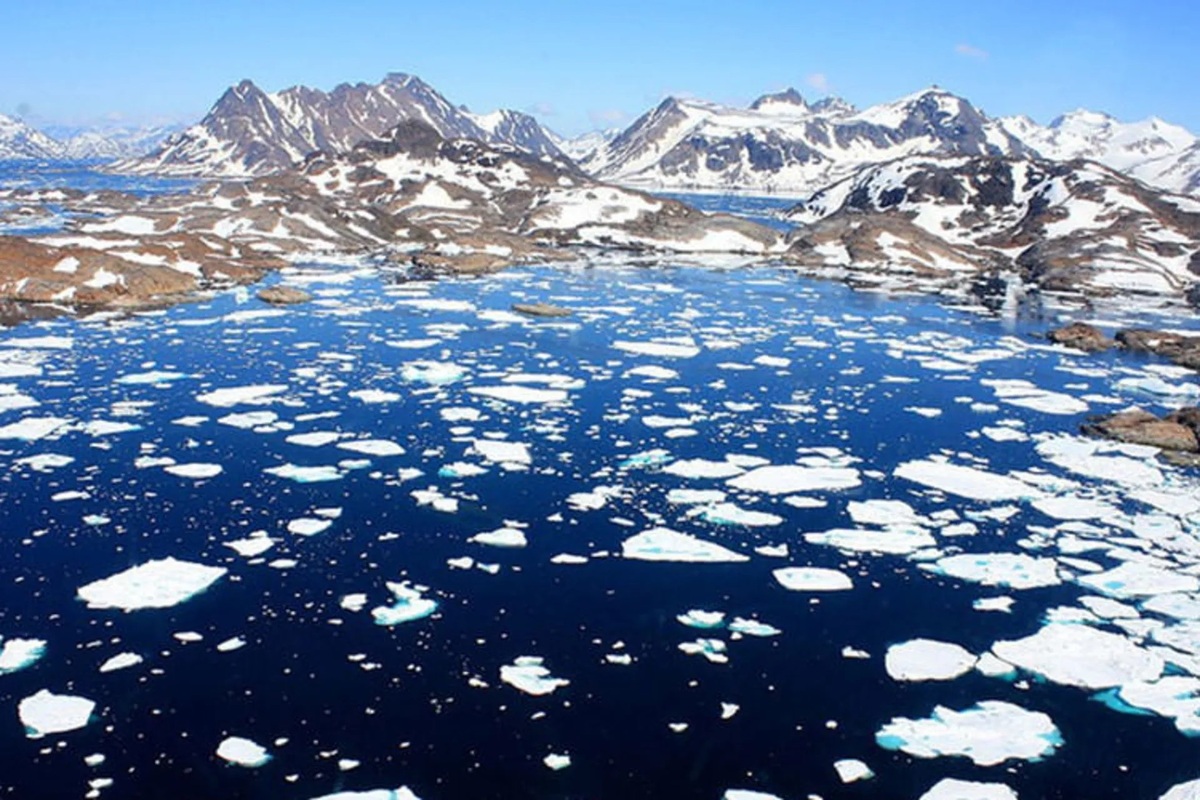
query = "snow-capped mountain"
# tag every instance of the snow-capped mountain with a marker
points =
(783, 144)
(1148, 150)
(1077, 226)
(580, 148)
(111, 143)
(21, 141)
(252, 132)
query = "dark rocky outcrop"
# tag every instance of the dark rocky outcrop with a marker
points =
(1081, 336)
(541, 310)
(1178, 431)
(283, 295)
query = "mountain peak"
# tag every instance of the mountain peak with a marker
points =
(788, 97)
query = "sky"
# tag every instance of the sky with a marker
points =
(580, 65)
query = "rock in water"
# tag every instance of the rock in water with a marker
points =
(283, 295)
(1177, 432)
(1081, 336)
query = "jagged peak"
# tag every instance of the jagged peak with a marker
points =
(788, 96)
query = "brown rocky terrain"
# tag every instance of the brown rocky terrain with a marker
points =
(1178, 348)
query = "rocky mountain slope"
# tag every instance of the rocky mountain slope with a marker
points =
(1075, 226)
(412, 197)
(784, 144)
(21, 141)
(252, 132)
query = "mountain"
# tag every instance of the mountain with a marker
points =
(252, 132)
(783, 144)
(21, 141)
(580, 148)
(1073, 226)
(1149, 150)
(109, 142)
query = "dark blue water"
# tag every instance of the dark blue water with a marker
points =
(415, 720)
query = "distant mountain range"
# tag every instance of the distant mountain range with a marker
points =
(252, 132)
(781, 143)
(784, 144)
(21, 141)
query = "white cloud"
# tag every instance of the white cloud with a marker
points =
(818, 81)
(607, 117)
(970, 51)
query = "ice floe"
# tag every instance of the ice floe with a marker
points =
(44, 713)
(18, 654)
(789, 478)
(812, 579)
(1080, 655)
(529, 675)
(410, 604)
(237, 395)
(969, 482)
(664, 544)
(159, 583)
(243, 752)
(850, 770)
(955, 789)
(927, 660)
(121, 661)
(1012, 570)
(989, 733)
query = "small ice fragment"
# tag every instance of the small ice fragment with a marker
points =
(1003, 604)
(711, 649)
(752, 627)
(528, 675)
(696, 618)
(850, 770)
(812, 579)
(195, 471)
(410, 605)
(121, 661)
(308, 526)
(557, 761)
(729, 709)
(353, 602)
(502, 537)
(234, 395)
(229, 645)
(305, 474)
(44, 713)
(17, 654)
(243, 752)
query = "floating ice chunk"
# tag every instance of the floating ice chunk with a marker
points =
(243, 752)
(698, 618)
(374, 396)
(652, 372)
(528, 675)
(1157, 387)
(152, 377)
(711, 649)
(356, 601)
(231, 644)
(403, 793)
(664, 544)
(969, 482)
(790, 478)
(373, 447)
(773, 550)
(1176, 697)
(17, 654)
(594, 500)
(495, 451)
(520, 394)
(1080, 655)
(236, 395)
(731, 514)
(895, 541)
(568, 558)
(1002, 604)
(121, 661)
(649, 458)
(410, 605)
(557, 761)
(927, 660)
(702, 468)
(748, 794)
(883, 512)
(1179, 606)
(160, 583)
(44, 713)
(1071, 507)
(1133, 579)
(752, 627)
(1083, 457)
(988, 733)
(31, 429)
(694, 496)
(812, 579)
(1024, 394)
(308, 526)
(249, 420)
(305, 474)
(197, 471)
(433, 373)
(253, 545)
(663, 349)
(1014, 570)
(501, 537)
(45, 462)
(850, 770)
(955, 789)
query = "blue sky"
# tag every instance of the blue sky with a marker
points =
(580, 65)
